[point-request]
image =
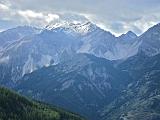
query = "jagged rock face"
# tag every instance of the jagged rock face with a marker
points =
(27, 49)
(31, 49)
(103, 44)
(33, 52)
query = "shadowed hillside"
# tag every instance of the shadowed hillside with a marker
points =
(16, 107)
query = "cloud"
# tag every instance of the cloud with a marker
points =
(30, 14)
(51, 17)
(3, 7)
(37, 18)
(118, 16)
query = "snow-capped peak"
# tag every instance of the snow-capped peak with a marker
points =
(83, 27)
(77, 27)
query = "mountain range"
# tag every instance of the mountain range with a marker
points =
(34, 48)
(85, 69)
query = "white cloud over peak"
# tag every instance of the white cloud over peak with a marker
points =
(38, 18)
(3, 7)
(117, 16)
(51, 17)
(30, 14)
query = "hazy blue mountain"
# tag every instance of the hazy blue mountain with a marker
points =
(140, 99)
(9, 36)
(83, 83)
(129, 37)
(151, 41)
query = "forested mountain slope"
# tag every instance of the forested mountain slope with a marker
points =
(16, 107)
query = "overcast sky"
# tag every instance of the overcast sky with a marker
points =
(117, 16)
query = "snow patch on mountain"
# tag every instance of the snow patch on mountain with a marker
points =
(45, 60)
(4, 59)
(29, 66)
(67, 84)
(72, 28)
(85, 48)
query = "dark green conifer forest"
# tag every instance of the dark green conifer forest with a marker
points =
(16, 107)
